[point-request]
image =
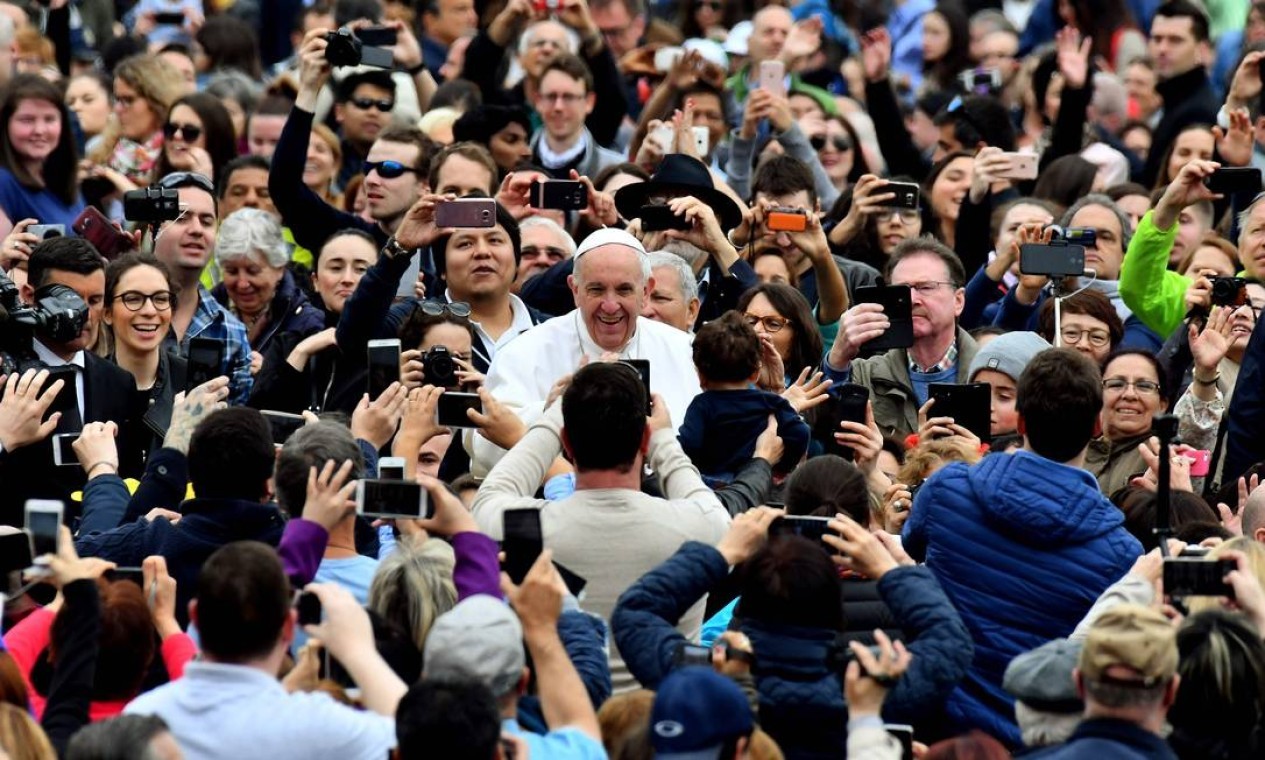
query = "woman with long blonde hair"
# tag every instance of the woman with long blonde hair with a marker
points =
(128, 150)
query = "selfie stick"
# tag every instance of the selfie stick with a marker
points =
(1165, 428)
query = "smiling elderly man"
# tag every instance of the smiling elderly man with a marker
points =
(611, 285)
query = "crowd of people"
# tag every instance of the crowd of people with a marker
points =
(813, 380)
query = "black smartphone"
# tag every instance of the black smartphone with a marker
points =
(1234, 179)
(466, 212)
(522, 540)
(67, 399)
(452, 407)
(905, 735)
(384, 365)
(850, 402)
(687, 655)
(906, 194)
(309, 607)
(1197, 576)
(1052, 260)
(898, 305)
(970, 405)
(392, 498)
(130, 574)
(206, 362)
(283, 425)
(643, 369)
(561, 194)
(655, 218)
(804, 526)
(378, 36)
(15, 552)
(169, 19)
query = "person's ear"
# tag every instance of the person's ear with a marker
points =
(524, 681)
(340, 112)
(566, 440)
(193, 612)
(590, 100)
(1079, 679)
(1021, 426)
(1170, 693)
(645, 440)
(692, 310)
(287, 627)
(27, 293)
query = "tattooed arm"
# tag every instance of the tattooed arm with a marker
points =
(189, 411)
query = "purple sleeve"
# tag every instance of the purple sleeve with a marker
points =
(301, 548)
(477, 570)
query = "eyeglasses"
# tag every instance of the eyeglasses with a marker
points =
(126, 100)
(1143, 387)
(930, 286)
(567, 98)
(364, 104)
(134, 300)
(771, 324)
(540, 250)
(439, 308)
(1097, 338)
(177, 180)
(387, 169)
(191, 132)
(841, 143)
(902, 215)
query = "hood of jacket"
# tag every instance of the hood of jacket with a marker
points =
(219, 521)
(1038, 501)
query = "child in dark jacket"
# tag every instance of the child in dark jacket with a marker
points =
(723, 422)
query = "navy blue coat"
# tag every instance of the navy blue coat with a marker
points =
(289, 312)
(797, 676)
(1023, 546)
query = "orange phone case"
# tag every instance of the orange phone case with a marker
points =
(785, 221)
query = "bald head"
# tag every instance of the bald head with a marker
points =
(769, 29)
(1254, 516)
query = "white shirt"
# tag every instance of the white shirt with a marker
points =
(520, 322)
(526, 368)
(53, 360)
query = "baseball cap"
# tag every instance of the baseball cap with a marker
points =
(609, 236)
(480, 639)
(696, 711)
(736, 41)
(1008, 354)
(1134, 637)
(1042, 678)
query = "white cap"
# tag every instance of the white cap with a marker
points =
(609, 236)
(711, 51)
(736, 42)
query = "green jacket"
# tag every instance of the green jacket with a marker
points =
(737, 84)
(892, 392)
(1155, 294)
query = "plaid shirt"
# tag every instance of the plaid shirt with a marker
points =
(949, 359)
(212, 320)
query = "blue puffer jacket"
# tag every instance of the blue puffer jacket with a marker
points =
(797, 669)
(1023, 546)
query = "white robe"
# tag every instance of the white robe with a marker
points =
(525, 369)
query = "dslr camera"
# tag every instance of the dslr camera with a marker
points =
(344, 49)
(59, 314)
(439, 368)
(151, 205)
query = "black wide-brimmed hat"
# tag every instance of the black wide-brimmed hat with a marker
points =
(677, 175)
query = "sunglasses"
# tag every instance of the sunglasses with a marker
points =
(842, 144)
(714, 5)
(438, 309)
(190, 131)
(364, 104)
(387, 169)
(177, 180)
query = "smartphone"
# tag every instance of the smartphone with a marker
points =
(64, 450)
(1022, 166)
(109, 240)
(702, 140)
(391, 468)
(658, 217)
(1199, 467)
(980, 81)
(130, 574)
(898, 305)
(804, 526)
(1196, 576)
(643, 370)
(522, 540)
(283, 425)
(384, 365)
(905, 735)
(561, 194)
(1060, 260)
(67, 399)
(1234, 179)
(206, 362)
(408, 280)
(308, 605)
(392, 498)
(666, 57)
(46, 231)
(970, 405)
(665, 136)
(43, 520)
(377, 36)
(169, 19)
(451, 411)
(467, 213)
(688, 655)
(785, 219)
(773, 77)
(850, 404)
(15, 552)
(906, 194)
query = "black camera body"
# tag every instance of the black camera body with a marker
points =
(59, 314)
(439, 368)
(151, 205)
(344, 49)
(1228, 291)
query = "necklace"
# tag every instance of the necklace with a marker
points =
(250, 321)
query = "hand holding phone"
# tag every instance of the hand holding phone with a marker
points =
(898, 307)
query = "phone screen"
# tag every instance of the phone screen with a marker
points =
(384, 366)
(206, 357)
(130, 574)
(451, 410)
(283, 425)
(391, 498)
(970, 405)
(522, 541)
(849, 407)
(67, 400)
(811, 528)
(42, 525)
(897, 303)
(643, 369)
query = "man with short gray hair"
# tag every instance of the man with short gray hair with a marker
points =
(674, 299)
(545, 243)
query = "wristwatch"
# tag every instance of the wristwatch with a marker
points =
(393, 249)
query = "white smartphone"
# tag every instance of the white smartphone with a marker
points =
(773, 77)
(392, 498)
(64, 450)
(43, 520)
(702, 140)
(665, 136)
(666, 57)
(391, 468)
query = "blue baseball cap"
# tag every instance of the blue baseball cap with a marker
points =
(696, 711)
